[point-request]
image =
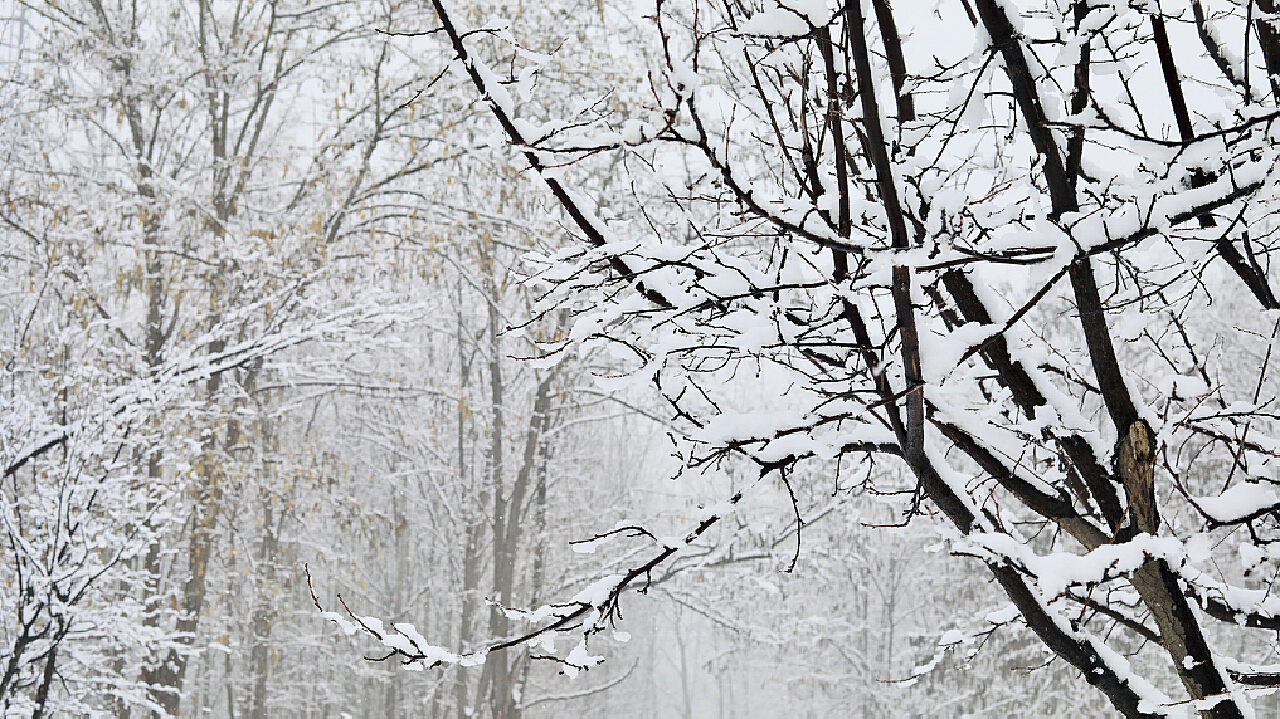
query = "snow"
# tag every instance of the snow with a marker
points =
(1003, 616)
(579, 659)
(599, 592)
(635, 132)
(1054, 573)
(1240, 501)
(776, 22)
(348, 628)
(790, 18)
(1251, 555)
(1183, 386)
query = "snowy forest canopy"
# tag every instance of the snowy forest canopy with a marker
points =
(658, 358)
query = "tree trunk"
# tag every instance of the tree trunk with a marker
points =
(264, 614)
(496, 676)
(471, 555)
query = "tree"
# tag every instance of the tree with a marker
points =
(827, 206)
(167, 226)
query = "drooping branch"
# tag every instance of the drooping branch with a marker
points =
(500, 104)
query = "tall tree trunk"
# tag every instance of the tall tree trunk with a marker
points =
(496, 677)
(539, 523)
(685, 696)
(471, 554)
(399, 588)
(264, 614)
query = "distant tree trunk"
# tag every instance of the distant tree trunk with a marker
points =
(539, 530)
(686, 698)
(496, 676)
(264, 614)
(167, 677)
(231, 690)
(154, 355)
(399, 602)
(505, 704)
(471, 555)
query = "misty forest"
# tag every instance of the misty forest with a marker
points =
(639, 358)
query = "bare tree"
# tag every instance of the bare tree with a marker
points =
(1004, 278)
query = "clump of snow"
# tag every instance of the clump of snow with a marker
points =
(635, 132)
(1199, 548)
(1182, 386)
(599, 591)
(794, 19)
(1251, 555)
(579, 659)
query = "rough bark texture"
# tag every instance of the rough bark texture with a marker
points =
(1135, 458)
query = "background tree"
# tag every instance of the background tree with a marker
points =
(159, 190)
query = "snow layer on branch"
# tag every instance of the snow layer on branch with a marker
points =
(1239, 501)
(348, 628)
(794, 19)
(600, 590)
(1054, 573)
(1239, 599)
(730, 426)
